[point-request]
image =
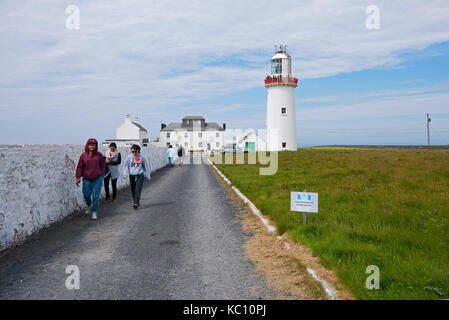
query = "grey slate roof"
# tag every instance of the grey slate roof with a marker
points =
(214, 126)
(209, 126)
(139, 126)
(193, 118)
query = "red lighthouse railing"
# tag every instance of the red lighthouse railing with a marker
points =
(278, 80)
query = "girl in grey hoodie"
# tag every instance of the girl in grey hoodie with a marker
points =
(137, 168)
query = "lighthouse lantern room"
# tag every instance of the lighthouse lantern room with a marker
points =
(281, 112)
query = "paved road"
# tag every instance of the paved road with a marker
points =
(185, 242)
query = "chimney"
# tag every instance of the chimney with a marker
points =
(163, 125)
(136, 120)
(128, 118)
(224, 126)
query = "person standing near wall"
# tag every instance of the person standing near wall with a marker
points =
(113, 159)
(91, 167)
(171, 155)
(137, 167)
(181, 154)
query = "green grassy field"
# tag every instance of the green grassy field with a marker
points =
(388, 208)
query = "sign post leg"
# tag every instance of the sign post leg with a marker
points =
(304, 218)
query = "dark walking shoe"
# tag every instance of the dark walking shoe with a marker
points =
(135, 206)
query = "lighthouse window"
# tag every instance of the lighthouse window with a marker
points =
(276, 66)
(283, 110)
(284, 144)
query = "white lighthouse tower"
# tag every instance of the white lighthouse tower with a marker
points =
(281, 112)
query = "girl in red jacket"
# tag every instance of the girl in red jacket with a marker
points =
(91, 167)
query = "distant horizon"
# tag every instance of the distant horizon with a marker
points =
(299, 146)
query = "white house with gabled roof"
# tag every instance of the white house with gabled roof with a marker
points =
(129, 133)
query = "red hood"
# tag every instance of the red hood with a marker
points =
(91, 140)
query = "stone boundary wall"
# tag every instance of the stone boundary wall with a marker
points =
(37, 186)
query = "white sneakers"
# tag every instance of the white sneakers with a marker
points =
(94, 213)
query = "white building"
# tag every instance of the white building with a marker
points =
(129, 133)
(281, 112)
(193, 133)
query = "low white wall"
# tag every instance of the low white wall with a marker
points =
(37, 186)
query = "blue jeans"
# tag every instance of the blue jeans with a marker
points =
(91, 192)
(170, 160)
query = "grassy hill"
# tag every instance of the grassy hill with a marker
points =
(388, 208)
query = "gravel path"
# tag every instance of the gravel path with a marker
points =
(184, 242)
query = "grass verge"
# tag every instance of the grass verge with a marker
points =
(388, 208)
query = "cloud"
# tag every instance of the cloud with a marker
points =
(372, 94)
(418, 104)
(411, 81)
(147, 56)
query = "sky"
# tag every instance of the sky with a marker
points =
(163, 60)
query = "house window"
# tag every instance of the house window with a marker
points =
(217, 144)
(283, 110)
(186, 135)
(200, 135)
(200, 144)
(168, 135)
(218, 135)
(185, 144)
(284, 144)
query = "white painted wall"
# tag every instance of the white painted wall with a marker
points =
(128, 130)
(37, 186)
(278, 97)
(192, 139)
(163, 137)
(211, 137)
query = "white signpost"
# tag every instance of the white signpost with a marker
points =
(304, 202)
